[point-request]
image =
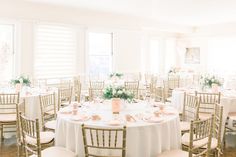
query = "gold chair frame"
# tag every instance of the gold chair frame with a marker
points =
(8, 103)
(97, 140)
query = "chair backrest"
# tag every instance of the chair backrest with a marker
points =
(133, 86)
(159, 95)
(8, 103)
(217, 129)
(173, 82)
(30, 129)
(208, 101)
(20, 108)
(77, 89)
(96, 139)
(190, 108)
(199, 130)
(153, 84)
(48, 107)
(95, 89)
(64, 95)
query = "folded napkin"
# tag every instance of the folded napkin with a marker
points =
(130, 118)
(96, 117)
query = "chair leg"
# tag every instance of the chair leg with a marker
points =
(1, 130)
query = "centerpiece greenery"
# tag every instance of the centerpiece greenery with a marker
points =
(209, 80)
(117, 92)
(21, 80)
(119, 75)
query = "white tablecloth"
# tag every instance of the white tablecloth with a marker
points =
(144, 139)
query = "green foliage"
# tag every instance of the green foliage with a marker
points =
(208, 80)
(21, 79)
(119, 75)
(117, 92)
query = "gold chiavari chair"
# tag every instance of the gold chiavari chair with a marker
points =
(96, 139)
(8, 112)
(30, 131)
(95, 89)
(48, 111)
(207, 103)
(65, 83)
(77, 89)
(159, 95)
(46, 137)
(153, 84)
(133, 87)
(200, 136)
(170, 84)
(190, 111)
(19, 108)
(216, 133)
(64, 97)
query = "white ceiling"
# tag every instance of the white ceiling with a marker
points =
(184, 12)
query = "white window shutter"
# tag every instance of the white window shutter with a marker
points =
(55, 51)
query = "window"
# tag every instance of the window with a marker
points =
(55, 51)
(170, 54)
(100, 53)
(6, 52)
(221, 55)
(154, 56)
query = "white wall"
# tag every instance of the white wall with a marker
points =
(131, 34)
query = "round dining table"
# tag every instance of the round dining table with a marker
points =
(147, 135)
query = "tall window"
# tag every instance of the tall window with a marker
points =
(100, 53)
(170, 53)
(154, 56)
(55, 51)
(6, 52)
(221, 55)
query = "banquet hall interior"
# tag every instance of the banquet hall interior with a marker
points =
(117, 78)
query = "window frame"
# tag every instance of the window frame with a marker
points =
(15, 55)
(87, 54)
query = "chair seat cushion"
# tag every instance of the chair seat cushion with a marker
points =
(174, 153)
(51, 124)
(50, 112)
(7, 117)
(45, 137)
(56, 152)
(169, 99)
(186, 137)
(185, 126)
(232, 116)
(204, 116)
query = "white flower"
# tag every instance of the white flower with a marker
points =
(21, 80)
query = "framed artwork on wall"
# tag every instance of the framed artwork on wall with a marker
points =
(192, 55)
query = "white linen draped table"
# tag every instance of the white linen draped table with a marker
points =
(144, 139)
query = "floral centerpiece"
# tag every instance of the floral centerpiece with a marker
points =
(23, 80)
(119, 75)
(209, 81)
(116, 94)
